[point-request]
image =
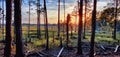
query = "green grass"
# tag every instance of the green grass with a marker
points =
(38, 44)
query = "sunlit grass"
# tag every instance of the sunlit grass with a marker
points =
(39, 44)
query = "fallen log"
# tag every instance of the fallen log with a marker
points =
(116, 48)
(101, 46)
(60, 52)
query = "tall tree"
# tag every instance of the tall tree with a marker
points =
(18, 28)
(38, 19)
(93, 29)
(79, 48)
(67, 29)
(115, 21)
(85, 18)
(8, 39)
(29, 21)
(76, 16)
(76, 9)
(59, 23)
(64, 15)
(0, 13)
(71, 26)
(46, 26)
(3, 18)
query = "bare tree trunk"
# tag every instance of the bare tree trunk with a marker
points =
(93, 29)
(46, 28)
(18, 28)
(44, 23)
(3, 19)
(29, 23)
(64, 17)
(85, 19)
(53, 37)
(79, 48)
(71, 30)
(115, 21)
(8, 39)
(76, 18)
(38, 19)
(59, 23)
(67, 29)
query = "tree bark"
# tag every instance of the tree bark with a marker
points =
(3, 19)
(18, 29)
(115, 21)
(67, 29)
(64, 17)
(38, 19)
(93, 29)
(59, 23)
(85, 19)
(29, 23)
(79, 48)
(71, 30)
(46, 28)
(8, 39)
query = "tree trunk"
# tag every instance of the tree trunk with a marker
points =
(8, 39)
(59, 23)
(18, 28)
(85, 19)
(44, 24)
(53, 37)
(71, 30)
(67, 29)
(38, 19)
(76, 9)
(46, 28)
(79, 48)
(93, 30)
(64, 17)
(29, 23)
(115, 21)
(3, 19)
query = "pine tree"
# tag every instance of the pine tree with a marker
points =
(115, 21)
(79, 49)
(18, 28)
(93, 29)
(67, 29)
(8, 38)
(38, 19)
(46, 26)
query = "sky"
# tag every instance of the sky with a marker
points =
(52, 10)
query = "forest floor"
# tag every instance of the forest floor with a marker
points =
(65, 53)
(71, 52)
(100, 51)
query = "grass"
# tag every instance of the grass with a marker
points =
(38, 44)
